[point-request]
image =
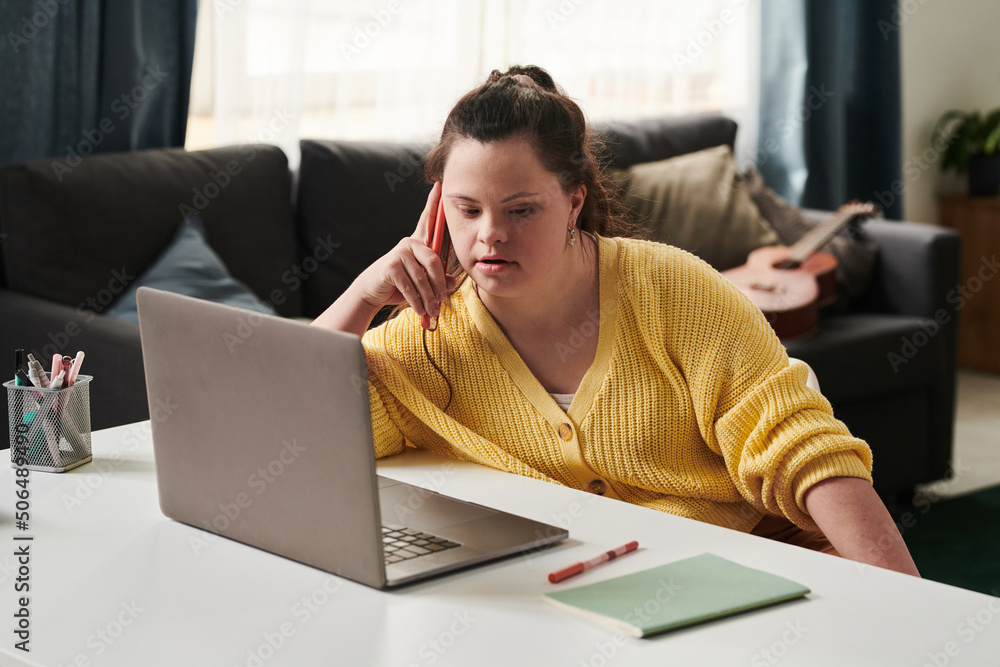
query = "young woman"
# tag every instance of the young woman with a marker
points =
(619, 366)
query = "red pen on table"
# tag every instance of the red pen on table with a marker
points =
(577, 568)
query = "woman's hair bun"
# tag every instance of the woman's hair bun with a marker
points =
(541, 78)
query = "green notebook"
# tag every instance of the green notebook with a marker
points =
(675, 595)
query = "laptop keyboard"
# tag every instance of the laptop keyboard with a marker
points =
(405, 543)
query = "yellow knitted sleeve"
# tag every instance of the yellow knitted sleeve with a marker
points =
(777, 436)
(388, 438)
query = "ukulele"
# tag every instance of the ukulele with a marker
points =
(790, 284)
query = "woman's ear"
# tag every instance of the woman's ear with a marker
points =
(576, 201)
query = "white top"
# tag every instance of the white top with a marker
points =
(563, 400)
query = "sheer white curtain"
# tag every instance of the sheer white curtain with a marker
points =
(626, 59)
(279, 70)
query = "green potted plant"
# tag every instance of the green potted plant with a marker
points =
(972, 140)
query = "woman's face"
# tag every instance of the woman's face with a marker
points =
(507, 216)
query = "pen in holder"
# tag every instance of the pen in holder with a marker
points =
(49, 428)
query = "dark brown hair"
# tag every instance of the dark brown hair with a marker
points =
(543, 115)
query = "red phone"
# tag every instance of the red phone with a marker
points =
(438, 241)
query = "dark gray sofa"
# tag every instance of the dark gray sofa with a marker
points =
(901, 399)
(69, 239)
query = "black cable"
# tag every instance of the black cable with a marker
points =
(441, 372)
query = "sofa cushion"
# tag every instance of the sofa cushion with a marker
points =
(74, 233)
(360, 198)
(653, 139)
(692, 202)
(189, 266)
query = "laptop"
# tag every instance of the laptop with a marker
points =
(262, 434)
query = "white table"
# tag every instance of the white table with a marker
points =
(114, 582)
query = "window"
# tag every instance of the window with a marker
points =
(279, 70)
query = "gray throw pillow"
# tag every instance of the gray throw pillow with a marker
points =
(189, 266)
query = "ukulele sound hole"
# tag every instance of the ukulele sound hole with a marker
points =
(787, 265)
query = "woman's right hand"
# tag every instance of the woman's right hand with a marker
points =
(410, 272)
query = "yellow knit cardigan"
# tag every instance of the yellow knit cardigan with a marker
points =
(690, 406)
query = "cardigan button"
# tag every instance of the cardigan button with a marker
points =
(565, 431)
(598, 486)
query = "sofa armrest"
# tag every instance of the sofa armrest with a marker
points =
(918, 268)
(917, 274)
(919, 265)
(114, 354)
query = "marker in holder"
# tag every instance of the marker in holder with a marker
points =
(49, 428)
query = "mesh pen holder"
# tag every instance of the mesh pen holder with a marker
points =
(49, 428)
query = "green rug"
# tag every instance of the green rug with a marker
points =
(956, 541)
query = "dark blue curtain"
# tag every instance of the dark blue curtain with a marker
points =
(90, 76)
(830, 126)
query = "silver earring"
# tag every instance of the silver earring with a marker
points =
(572, 235)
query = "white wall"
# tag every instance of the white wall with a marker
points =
(950, 51)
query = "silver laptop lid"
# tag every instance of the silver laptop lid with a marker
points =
(232, 433)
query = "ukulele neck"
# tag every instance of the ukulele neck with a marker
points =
(817, 237)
